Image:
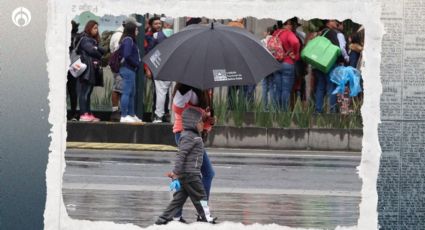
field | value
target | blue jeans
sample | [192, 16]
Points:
[249, 93]
[128, 91]
[207, 172]
[324, 86]
[283, 81]
[266, 88]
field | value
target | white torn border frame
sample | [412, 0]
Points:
[365, 12]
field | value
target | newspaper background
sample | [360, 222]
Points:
[401, 168]
[401, 202]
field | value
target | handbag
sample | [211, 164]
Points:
[77, 67]
[321, 53]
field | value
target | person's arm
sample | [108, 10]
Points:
[342, 45]
[185, 146]
[90, 49]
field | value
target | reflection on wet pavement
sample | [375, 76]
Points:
[143, 207]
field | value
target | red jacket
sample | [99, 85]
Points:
[290, 43]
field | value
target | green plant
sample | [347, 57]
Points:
[239, 106]
[263, 118]
[301, 114]
[220, 110]
[282, 118]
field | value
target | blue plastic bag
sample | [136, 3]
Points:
[175, 185]
[343, 74]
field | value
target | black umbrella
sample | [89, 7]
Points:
[207, 56]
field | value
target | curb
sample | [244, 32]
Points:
[120, 146]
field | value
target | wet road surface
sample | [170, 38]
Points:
[296, 189]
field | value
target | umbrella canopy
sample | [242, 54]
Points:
[207, 56]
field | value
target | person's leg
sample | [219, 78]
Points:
[330, 87]
[208, 174]
[277, 89]
[320, 88]
[288, 78]
[166, 117]
[127, 87]
[153, 99]
[231, 97]
[89, 98]
[71, 86]
[179, 213]
[84, 91]
[264, 93]
[196, 192]
[179, 198]
[115, 97]
[131, 111]
[161, 92]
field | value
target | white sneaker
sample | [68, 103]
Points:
[135, 118]
[127, 119]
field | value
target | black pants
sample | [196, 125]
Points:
[191, 186]
[71, 86]
[85, 90]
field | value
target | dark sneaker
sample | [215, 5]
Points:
[116, 116]
[166, 118]
[200, 219]
[161, 221]
[180, 219]
[157, 119]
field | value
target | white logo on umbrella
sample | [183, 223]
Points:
[220, 75]
[21, 17]
[156, 58]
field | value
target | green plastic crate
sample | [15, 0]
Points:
[321, 53]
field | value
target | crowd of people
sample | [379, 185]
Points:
[279, 89]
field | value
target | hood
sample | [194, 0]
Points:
[191, 116]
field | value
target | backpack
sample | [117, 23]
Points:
[274, 45]
[105, 40]
[114, 61]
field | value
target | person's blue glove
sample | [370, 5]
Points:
[175, 185]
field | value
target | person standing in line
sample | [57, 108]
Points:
[71, 84]
[284, 78]
[162, 87]
[154, 25]
[266, 83]
[323, 84]
[131, 62]
[91, 54]
[117, 85]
